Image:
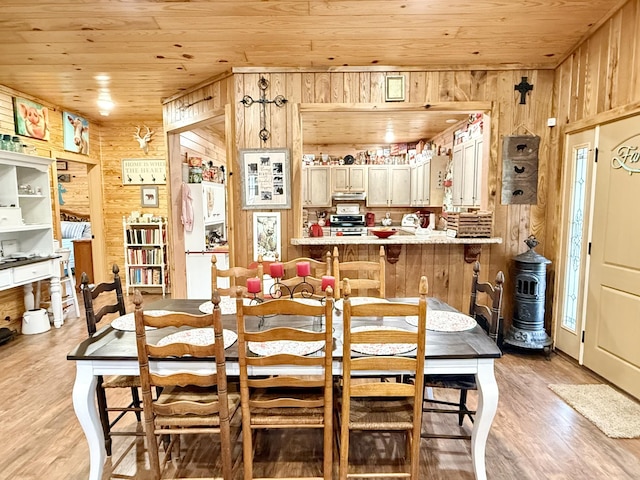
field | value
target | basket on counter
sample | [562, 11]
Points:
[469, 225]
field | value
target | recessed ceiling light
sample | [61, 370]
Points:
[389, 137]
[105, 104]
[451, 120]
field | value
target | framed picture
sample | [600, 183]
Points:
[64, 177]
[267, 237]
[394, 88]
[62, 165]
[266, 178]
[149, 196]
[31, 118]
[75, 131]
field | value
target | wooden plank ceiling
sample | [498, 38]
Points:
[142, 51]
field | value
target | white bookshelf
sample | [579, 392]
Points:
[145, 253]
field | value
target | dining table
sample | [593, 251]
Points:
[112, 351]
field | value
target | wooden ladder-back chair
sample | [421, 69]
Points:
[194, 402]
[363, 275]
[286, 401]
[94, 313]
[370, 404]
[487, 312]
[236, 276]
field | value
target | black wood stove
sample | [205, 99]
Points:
[527, 329]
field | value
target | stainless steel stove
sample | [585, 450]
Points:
[348, 224]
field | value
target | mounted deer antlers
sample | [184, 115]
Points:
[144, 140]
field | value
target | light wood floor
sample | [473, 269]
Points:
[534, 436]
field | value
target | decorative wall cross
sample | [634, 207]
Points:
[279, 101]
[523, 87]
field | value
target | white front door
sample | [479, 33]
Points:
[612, 331]
[579, 165]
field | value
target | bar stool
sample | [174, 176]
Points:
[67, 282]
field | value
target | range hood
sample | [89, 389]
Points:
[349, 196]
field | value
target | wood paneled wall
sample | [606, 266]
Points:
[601, 75]
[120, 200]
[11, 301]
[76, 197]
[449, 276]
[598, 82]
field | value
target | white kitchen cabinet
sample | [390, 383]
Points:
[427, 182]
[467, 173]
[349, 178]
[420, 184]
[389, 186]
[316, 186]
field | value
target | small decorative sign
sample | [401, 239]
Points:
[142, 171]
[626, 158]
[520, 169]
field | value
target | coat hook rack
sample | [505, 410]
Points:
[279, 101]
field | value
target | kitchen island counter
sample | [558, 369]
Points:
[395, 242]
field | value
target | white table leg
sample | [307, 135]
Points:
[487, 406]
[56, 301]
[84, 392]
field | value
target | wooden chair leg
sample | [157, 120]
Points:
[104, 415]
[136, 401]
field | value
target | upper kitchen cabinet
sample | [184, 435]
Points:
[316, 186]
[420, 183]
[427, 179]
[349, 178]
[389, 186]
[467, 173]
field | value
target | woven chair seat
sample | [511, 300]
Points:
[459, 382]
[121, 381]
[287, 415]
[192, 394]
[381, 414]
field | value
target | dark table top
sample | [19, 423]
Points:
[12, 263]
[111, 344]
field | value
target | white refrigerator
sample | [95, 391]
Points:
[209, 231]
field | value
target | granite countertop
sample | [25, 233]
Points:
[403, 237]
